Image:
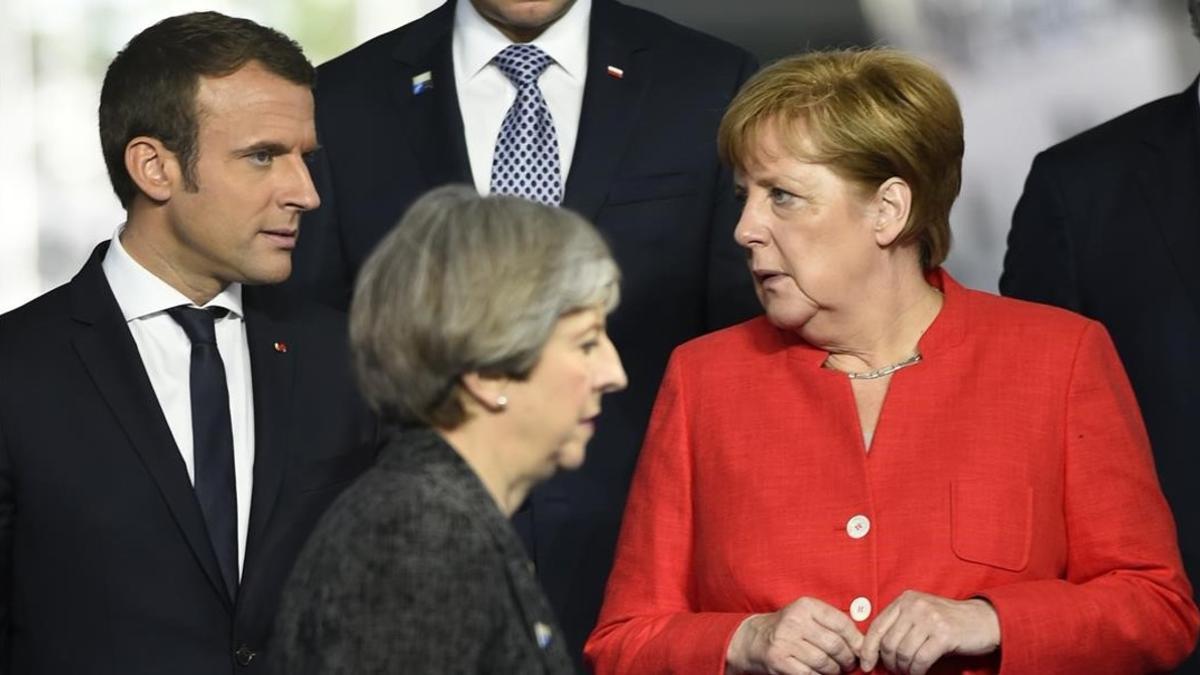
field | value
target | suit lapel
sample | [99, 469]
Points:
[1169, 174]
[522, 583]
[273, 348]
[436, 128]
[610, 107]
[111, 358]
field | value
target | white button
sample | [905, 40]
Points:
[858, 527]
[860, 609]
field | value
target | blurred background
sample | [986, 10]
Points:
[1028, 73]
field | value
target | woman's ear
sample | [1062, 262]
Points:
[154, 169]
[893, 199]
[487, 390]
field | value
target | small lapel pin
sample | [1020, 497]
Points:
[616, 73]
[281, 347]
[543, 634]
[422, 83]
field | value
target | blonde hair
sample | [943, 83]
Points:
[870, 115]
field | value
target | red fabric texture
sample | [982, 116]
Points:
[1010, 464]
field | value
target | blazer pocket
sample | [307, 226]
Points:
[991, 522]
[651, 188]
[327, 472]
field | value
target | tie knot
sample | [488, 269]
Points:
[199, 324]
[522, 63]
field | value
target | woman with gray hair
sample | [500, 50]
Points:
[478, 327]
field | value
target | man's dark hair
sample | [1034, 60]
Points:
[150, 87]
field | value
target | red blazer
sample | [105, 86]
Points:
[1010, 464]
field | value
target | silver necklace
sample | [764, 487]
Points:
[883, 371]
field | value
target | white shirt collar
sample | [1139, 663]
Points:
[140, 293]
[477, 42]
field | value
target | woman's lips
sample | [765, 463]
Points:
[768, 278]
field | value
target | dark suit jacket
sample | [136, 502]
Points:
[415, 570]
[1109, 226]
[644, 170]
[106, 565]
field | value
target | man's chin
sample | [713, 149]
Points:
[269, 275]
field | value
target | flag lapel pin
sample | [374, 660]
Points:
[422, 83]
[542, 634]
[616, 73]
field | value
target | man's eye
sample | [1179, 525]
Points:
[262, 158]
[739, 194]
[589, 346]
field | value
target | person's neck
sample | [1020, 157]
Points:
[485, 452]
[142, 238]
[885, 327]
[520, 35]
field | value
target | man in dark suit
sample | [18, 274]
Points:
[1109, 226]
[170, 432]
[633, 102]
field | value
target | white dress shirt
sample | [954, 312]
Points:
[167, 355]
[485, 94]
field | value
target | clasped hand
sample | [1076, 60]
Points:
[909, 636]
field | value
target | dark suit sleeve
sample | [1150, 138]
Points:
[319, 268]
[7, 511]
[372, 595]
[1040, 263]
[731, 296]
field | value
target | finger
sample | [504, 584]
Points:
[917, 636]
[815, 658]
[833, 619]
[889, 643]
[868, 652]
[794, 666]
[834, 645]
[929, 653]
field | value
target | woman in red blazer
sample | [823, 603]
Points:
[888, 470]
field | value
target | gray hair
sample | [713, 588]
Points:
[464, 284]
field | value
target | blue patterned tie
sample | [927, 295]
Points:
[525, 163]
[212, 436]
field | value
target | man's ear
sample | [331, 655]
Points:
[154, 169]
[894, 201]
[487, 390]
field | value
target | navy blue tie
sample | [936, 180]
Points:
[526, 161]
[212, 438]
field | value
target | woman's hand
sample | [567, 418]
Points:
[806, 637]
[917, 629]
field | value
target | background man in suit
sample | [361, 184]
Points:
[1109, 226]
[623, 107]
[169, 433]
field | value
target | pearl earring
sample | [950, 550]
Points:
[502, 401]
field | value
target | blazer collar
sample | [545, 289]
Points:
[426, 447]
[1168, 172]
[274, 344]
[948, 329]
[110, 356]
[611, 104]
[424, 50]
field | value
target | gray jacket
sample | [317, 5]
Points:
[415, 570]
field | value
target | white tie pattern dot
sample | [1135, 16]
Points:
[526, 163]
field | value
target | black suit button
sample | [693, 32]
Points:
[244, 655]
